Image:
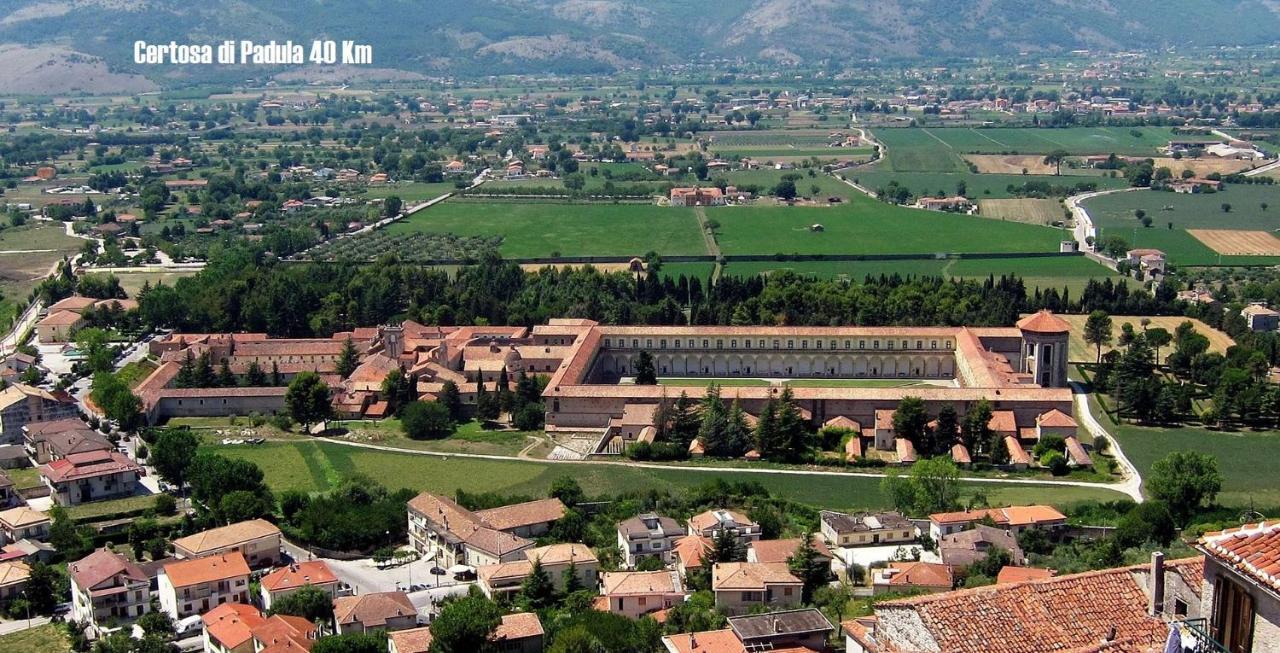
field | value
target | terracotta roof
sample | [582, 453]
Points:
[920, 574]
[1012, 515]
[205, 570]
[853, 448]
[712, 519]
[713, 641]
[906, 450]
[232, 624]
[561, 554]
[22, 516]
[640, 582]
[1252, 550]
[1055, 419]
[960, 454]
[1019, 574]
[842, 422]
[1044, 321]
[413, 640]
[782, 550]
[88, 464]
[1017, 454]
[285, 634]
[972, 545]
[690, 549]
[372, 610]
[223, 537]
[1076, 452]
[508, 571]
[518, 515]
[74, 303]
[750, 575]
[61, 318]
[884, 420]
[14, 572]
[1067, 613]
[1003, 421]
[37, 429]
[312, 572]
[465, 526]
[517, 626]
[100, 566]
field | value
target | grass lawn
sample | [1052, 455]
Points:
[1071, 272]
[545, 229]
[867, 226]
[1141, 141]
[699, 271]
[101, 510]
[828, 186]
[799, 383]
[1114, 214]
[48, 638]
[132, 282]
[311, 466]
[1245, 458]
[25, 477]
[469, 438]
[20, 270]
[1079, 350]
[135, 372]
[853, 270]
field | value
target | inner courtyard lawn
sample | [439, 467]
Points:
[311, 466]
[532, 229]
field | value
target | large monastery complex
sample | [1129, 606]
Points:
[1021, 370]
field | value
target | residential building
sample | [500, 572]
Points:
[1112, 610]
[1012, 574]
[282, 633]
[91, 476]
[696, 196]
[14, 575]
[969, 546]
[258, 540]
[912, 576]
[23, 523]
[452, 535]
[1261, 318]
[8, 496]
[387, 611]
[741, 586]
[782, 550]
[228, 628]
[637, 593]
[866, 528]
[1014, 519]
[793, 631]
[648, 535]
[1240, 602]
[107, 589]
[46, 442]
[189, 587]
[22, 404]
[58, 326]
[690, 551]
[296, 575]
[711, 523]
[517, 633]
[555, 559]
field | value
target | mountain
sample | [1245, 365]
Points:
[502, 36]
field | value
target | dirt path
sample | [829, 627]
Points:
[1132, 483]
[709, 240]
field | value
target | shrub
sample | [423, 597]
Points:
[165, 504]
[427, 420]
[1056, 463]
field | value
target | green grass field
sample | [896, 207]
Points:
[827, 185]
[48, 638]
[469, 438]
[790, 152]
[311, 466]
[543, 229]
[410, 192]
[700, 271]
[853, 270]
[978, 186]
[1114, 214]
[1245, 458]
[867, 226]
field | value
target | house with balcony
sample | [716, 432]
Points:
[91, 476]
[634, 594]
[296, 575]
[555, 559]
[107, 590]
[191, 587]
[711, 523]
[23, 523]
[385, 611]
[258, 540]
[741, 587]
[450, 535]
[866, 528]
[648, 535]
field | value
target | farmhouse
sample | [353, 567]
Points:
[189, 587]
[1261, 318]
[637, 593]
[555, 560]
[957, 203]
[697, 196]
[912, 577]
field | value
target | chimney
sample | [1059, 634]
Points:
[1155, 597]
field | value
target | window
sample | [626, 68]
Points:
[706, 344]
[817, 345]
[1232, 622]
[677, 343]
[648, 343]
[834, 344]
[919, 344]
[905, 345]
[635, 343]
[862, 344]
[933, 344]
[890, 344]
[875, 344]
[1179, 608]
[663, 343]
[719, 344]
[791, 344]
[762, 344]
[690, 343]
[775, 344]
[948, 344]
[733, 344]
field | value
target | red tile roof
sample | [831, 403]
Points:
[1067, 613]
[1044, 321]
[100, 566]
[206, 570]
[88, 464]
[372, 610]
[312, 572]
[1012, 515]
[1019, 574]
[232, 624]
[1252, 550]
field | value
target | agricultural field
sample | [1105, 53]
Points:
[828, 186]
[1079, 350]
[784, 145]
[852, 270]
[1030, 211]
[867, 226]
[27, 253]
[132, 282]
[976, 185]
[531, 230]
[311, 466]
[700, 271]
[1174, 213]
[409, 246]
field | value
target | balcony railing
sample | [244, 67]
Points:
[1196, 637]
